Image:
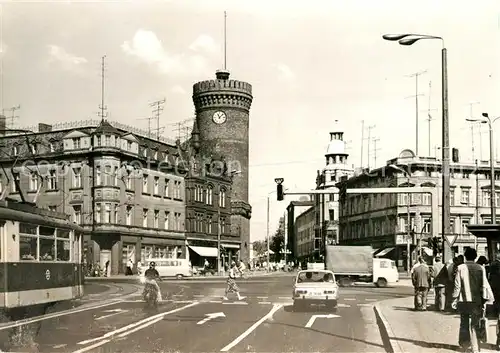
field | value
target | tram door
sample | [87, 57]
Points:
[78, 263]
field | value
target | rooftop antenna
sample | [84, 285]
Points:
[416, 75]
[103, 108]
[471, 107]
[429, 119]
[158, 108]
[225, 41]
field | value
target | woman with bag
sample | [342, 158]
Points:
[232, 287]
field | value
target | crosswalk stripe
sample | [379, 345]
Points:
[352, 299]
[265, 303]
[364, 304]
[342, 305]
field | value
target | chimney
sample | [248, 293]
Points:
[3, 125]
[44, 127]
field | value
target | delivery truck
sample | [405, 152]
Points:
[357, 264]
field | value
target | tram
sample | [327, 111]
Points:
[40, 257]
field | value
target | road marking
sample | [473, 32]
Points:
[251, 328]
[352, 299]
[91, 347]
[314, 317]
[210, 317]
[371, 300]
[182, 301]
[142, 323]
[262, 297]
[57, 346]
[342, 305]
[235, 303]
[198, 296]
[149, 323]
[215, 301]
[113, 313]
[50, 316]
[285, 298]
[265, 303]
[364, 304]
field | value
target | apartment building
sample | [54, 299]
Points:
[381, 220]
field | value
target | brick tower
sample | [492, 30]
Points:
[222, 115]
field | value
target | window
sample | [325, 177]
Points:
[465, 224]
[331, 215]
[166, 222]
[426, 225]
[52, 147]
[52, 180]
[16, 182]
[77, 214]
[166, 192]
[76, 143]
[452, 197]
[209, 195]
[108, 140]
[426, 199]
[145, 152]
[145, 183]
[129, 145]
[107, 175]
[107, 213]
[115, 214]
[53, 208]
[28, 242]
[15, 151]
[177, 190]
[157, 185]
[77, 177]
[222, 198]
[486, 198]
[47, 243]
[156, 155]
[128, 182]
[34, 148]
[128, 215]
[209, 225]
[156, 218]
[98, 175]
[222, 226]
[98, 211]
[465, 196]
[178, 221]
[145, 217]
[497, 198]
[33, 181]
[115, 176]
[403, 199]
[198, 196]
[63, 245]
[452, 226]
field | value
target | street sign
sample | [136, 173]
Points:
[451, 239]
[314, 317]
[210, 317]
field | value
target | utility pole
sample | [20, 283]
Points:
[285, 236]
[375, 149]
[12, 117]
[362, 141]
[416, 75]
[369, 142]
[158, 108]
[102, 114]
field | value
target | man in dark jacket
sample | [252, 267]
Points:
[421, 278]
[440, 278]
[494, 279]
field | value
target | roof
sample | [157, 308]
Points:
[105, 127]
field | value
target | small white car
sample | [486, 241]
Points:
[315, 287]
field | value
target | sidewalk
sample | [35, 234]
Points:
[406, 330]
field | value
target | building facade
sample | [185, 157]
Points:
[127, 190]
[222, 116]
[305, 244]
[383, 220]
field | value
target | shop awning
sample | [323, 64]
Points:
[231, 246]
[204, 251]
[384, 252]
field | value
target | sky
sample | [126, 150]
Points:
[310, 63]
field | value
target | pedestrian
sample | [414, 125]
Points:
[232, 287]
[130, 266]
[452, 271]
[494, 280]
[470, 294]
[421, 279]
[440, 279]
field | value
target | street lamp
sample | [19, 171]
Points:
[219, 230]
[408, 231]
[409, 39]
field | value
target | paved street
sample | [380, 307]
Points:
[262, 322]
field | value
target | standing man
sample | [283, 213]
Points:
[470, 294]
[494, 277]
[440, 277]
[421, 279]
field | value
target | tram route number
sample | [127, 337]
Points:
[47, 275]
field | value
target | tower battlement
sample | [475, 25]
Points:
[212, 86]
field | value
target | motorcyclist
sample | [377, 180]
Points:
[152, 276]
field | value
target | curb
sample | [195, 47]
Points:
[386, 332]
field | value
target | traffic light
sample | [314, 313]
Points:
[279, 191]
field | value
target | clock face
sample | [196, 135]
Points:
[219, 117]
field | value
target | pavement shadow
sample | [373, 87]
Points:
[430, 345]
[405, 308]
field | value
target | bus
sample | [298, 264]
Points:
[40, 257]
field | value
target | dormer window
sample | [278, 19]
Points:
[33, 148]
[76, 143]
[145, 152]
[129, 145]
[108, 140]
[14, 151]
[156, 155]
[166, 156]
[52, 147]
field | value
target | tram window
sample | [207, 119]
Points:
[47, 249]
[47, 231]
[27, 248]
[26, 228]
[63, 233]
[63, 250]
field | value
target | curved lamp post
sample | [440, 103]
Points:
[408, 39]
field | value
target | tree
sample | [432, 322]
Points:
[259, 247]
[277, 244]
